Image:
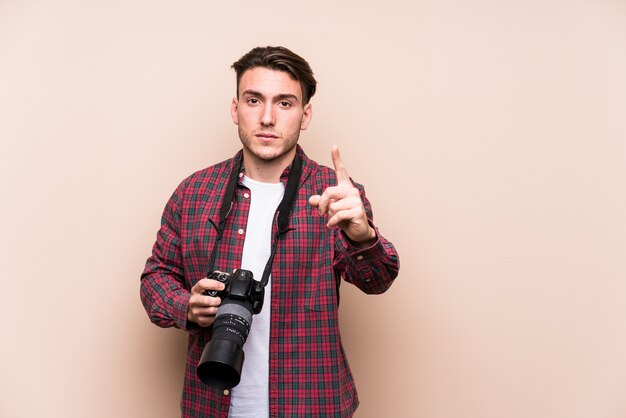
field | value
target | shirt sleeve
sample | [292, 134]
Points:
[163, 292]
[372, 269]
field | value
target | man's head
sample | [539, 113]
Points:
[280, 59]
[274, 87]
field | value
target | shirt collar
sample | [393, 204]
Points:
[308, 166]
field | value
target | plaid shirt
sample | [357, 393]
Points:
[308, 371]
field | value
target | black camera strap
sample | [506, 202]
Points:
[282, 213]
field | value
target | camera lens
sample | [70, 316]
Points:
[222, 358]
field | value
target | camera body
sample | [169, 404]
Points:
[241, 286]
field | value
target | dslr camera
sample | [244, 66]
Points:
[222, 358]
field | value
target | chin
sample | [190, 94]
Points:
[269, 155]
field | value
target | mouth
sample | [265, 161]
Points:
[266, 136]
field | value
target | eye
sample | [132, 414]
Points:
[253, 101]
[284, 103]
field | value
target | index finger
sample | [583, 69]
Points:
[340, 169]
[207, 284]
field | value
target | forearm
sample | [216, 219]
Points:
[165, 300]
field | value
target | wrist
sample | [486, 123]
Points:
[366, 241]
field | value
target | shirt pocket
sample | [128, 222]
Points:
[198, 239]
[310, 245]
[324, 291]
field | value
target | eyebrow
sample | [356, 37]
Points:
[279, 97]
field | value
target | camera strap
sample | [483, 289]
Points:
[282, 213]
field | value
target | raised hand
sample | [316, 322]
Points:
[342, 205]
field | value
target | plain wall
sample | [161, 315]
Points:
[490, 135]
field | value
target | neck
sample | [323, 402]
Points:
[266, 171]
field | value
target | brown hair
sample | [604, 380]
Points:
[281, 59]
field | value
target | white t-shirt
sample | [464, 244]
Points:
[251, 397]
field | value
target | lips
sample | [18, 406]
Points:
[266, 136]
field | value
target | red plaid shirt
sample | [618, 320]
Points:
[308, 371]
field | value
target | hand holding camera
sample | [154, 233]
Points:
[204, 301]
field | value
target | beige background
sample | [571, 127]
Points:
[490, 135]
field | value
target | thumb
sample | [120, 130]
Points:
[314, 200]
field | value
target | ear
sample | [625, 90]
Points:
[234, 105]
[306, 116]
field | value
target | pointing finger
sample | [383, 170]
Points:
[340, 168]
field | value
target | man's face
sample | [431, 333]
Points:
[269, 114]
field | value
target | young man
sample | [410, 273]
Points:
[294, 361]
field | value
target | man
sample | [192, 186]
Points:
[294, 361]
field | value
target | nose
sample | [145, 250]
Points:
[267, 115]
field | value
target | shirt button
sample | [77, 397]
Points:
[246, 195]
[359, 257]
[240, 232]
[226, 392]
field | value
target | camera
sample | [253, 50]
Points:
[222, 358]
[220, 276]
